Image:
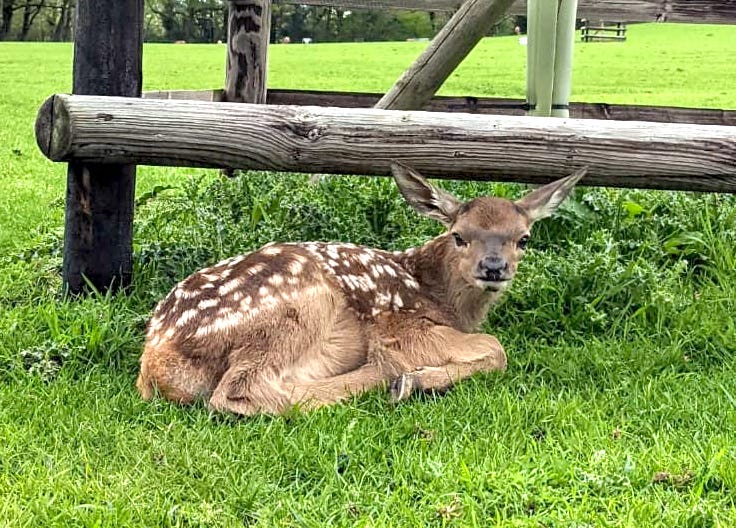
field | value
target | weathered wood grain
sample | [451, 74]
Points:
[706, 11]
[98, 232]
[476, 105]
[249, 26]
[435, 64]
[364, 141]
[248, 31]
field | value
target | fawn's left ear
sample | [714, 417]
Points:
[542, 202]
[427, 199]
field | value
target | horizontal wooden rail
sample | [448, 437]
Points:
[706, 11]
[364, 141]
[476, 105]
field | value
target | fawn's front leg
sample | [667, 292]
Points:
[467, 354]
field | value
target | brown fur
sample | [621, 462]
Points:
[313, 323]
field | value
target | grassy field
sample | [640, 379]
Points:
[618, 407]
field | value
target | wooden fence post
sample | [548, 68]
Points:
[98, 233]
[248, 32]
[249, 27]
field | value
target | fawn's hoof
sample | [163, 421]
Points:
[403, 387]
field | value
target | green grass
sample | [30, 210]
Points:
[618, 407]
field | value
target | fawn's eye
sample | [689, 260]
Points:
[459, 242]
[523, 241]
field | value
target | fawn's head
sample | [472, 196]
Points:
[488, 235]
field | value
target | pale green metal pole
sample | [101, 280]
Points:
[531, 56]
[563, 56]
[545, 36]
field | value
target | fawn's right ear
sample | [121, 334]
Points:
[427, 199]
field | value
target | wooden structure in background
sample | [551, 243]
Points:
[103, 138]
[604, 32]
[474, 105]
[456, 39]
[691, 11]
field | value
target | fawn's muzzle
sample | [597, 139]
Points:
[493, 269]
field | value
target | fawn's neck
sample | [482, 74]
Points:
[433, 266]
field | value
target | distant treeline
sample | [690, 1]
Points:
[206, 21]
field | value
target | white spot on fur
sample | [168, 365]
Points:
[208, 303]
[228, 320]
[296, 267]
[276, 279]
[271, 250]
[255, 269]
[235, 261]
[397, 300]
[383, 299]
[367, 282]
[411, 283]
[333, 264]
[269, 301]
[229, 287]
[187, 316]
[263, 291]
[292, 280]
[182, 293]
[390, 270]
[237, 296]
[245, 304]
[208, 286]
[365, 258]
[210, 276]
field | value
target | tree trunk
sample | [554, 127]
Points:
[30, 12]
[62, 27]
[8, 8]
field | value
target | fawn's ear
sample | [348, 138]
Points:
[542, 202]
[427, 199]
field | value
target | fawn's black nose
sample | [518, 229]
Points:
[493, 268]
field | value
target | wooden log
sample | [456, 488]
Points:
[98, 233]
[476, 105]
[364, 141]
[690, 11]
[458, 37]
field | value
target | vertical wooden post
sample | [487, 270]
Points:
[249, 28]
[98, 233]
[248, 32]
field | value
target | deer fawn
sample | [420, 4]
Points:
[313, 323]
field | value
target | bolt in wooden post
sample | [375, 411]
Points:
[248, 31]
[98, 233]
